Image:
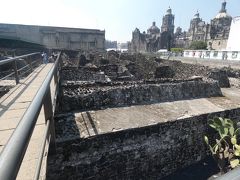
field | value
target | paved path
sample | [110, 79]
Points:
[13, 105]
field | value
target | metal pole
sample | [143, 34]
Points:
[16, 71]
[30, 63]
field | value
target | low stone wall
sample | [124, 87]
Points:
[81, 98]
[150, 152]
[81, 74]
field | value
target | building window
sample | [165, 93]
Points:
[92, 44]
[215, 54]
[84, 45]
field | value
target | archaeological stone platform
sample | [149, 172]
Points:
[137, 141]
[137, 129]
[150, 134]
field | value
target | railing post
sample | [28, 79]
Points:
[16, 71]
[30, 63]
[56, 75]
[60, 64]
[48, 111]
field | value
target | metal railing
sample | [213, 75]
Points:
[15, 149]
[14, 60]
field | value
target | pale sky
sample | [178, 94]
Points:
[117, 17]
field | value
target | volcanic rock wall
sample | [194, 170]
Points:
[146, 152]
[76, 97]
[150, 152]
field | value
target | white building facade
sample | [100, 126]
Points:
[234, 36]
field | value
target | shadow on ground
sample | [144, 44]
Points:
[203, 170]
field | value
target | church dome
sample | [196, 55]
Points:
[222, 15]
[153, 29]
[223, 12]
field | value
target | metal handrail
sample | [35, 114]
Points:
[5, 61]
[39, 163]
[13, 60]
[9, 75]
[27, 71]
[15, 149]
[47, 134]
[23, 67]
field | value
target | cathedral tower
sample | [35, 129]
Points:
[167, 30]
[168, 22]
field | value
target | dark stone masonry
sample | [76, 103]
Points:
[134, 117]
[150, 152]
[79, 97]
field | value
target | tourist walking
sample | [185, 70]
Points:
[45, 58]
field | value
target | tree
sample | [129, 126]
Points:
[198, 45]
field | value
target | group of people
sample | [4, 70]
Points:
[47, 59]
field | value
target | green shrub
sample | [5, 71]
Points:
[226, 150]
[177, 50]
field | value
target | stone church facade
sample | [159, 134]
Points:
[215, 33]
[155, 38]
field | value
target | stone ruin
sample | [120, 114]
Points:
[127, 80]
[105, 125]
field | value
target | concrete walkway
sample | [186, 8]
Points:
[13, 105]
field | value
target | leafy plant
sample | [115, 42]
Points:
[225, 151]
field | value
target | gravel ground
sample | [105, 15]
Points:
[235, 82]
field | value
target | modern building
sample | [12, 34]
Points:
[55, 37]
